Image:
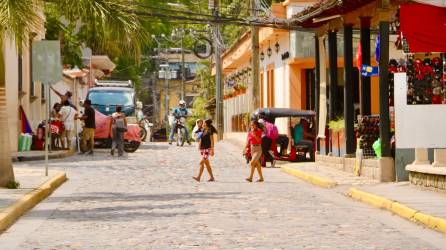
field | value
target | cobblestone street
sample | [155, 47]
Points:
[148, 200]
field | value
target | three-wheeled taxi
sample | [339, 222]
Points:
[296, 151]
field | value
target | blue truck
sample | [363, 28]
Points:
[107, 94]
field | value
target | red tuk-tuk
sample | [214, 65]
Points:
[297, 152]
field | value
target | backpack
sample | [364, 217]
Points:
[120, 125]
[274, 132]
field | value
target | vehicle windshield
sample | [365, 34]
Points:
[111, 97]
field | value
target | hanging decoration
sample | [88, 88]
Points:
[359, 56]
[377, 49]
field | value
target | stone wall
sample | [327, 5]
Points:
[428, 180]
[369, 167]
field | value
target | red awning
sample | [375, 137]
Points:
[424, 27]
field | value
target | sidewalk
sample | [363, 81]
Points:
[341, 180]
[40, 155]
[34, 187]
[414, 203]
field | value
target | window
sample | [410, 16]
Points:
[262, 90]
[42, 90]
[111, 97]
[20, 68]
[31, 80]
[31, 89]
[271, 92]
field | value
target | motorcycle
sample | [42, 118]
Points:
[146, 129]
[181, 131]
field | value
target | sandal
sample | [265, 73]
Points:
[211, 180]
[260, 180]
[248, 180]
[196, 178]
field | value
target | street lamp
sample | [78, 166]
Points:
[262, 56]
[269, 51]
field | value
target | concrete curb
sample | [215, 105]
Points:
[313, 179]
[9, 215]
[42, 157]
[436, 223]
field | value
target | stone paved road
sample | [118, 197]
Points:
[149, 201]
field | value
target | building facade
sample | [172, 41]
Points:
[21, 90]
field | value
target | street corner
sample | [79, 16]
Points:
[9, 213]
[294, 170]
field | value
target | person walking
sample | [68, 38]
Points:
[255, 142]
[119, 127]
[67, 116]
[89, 127]
[197, 131]
[206, 149]
[270, 134]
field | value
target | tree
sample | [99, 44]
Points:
[111, 25]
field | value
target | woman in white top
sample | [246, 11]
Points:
[119, 127]
[67, 116]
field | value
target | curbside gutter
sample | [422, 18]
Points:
[436, 223]
[9, 215]
[313, 179]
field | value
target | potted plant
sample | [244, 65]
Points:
[337, 135]
[231, 94]
[243, 88]
[236, 89]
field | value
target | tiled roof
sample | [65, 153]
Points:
[325, 8]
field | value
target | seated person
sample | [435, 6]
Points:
[300, 137]
[283, 142]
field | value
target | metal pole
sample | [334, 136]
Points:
[218, 75]
[255, 60]
[76, 91]
[47, 130]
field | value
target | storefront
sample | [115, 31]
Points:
[355, 22]
[420, 94]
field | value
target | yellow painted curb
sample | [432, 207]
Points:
[28, 201]
[399, 209]
[313, 179]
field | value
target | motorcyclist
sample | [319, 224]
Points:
[178, 113]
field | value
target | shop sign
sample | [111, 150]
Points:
[368, 71]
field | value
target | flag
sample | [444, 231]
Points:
[359, 56]
[26, 128]
[377, 49]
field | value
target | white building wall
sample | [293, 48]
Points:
[31, 106]
[11, 83]
[281, 78]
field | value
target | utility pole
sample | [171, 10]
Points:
[214, 5]
[183, 69]
[255, 59]
[166, 75]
